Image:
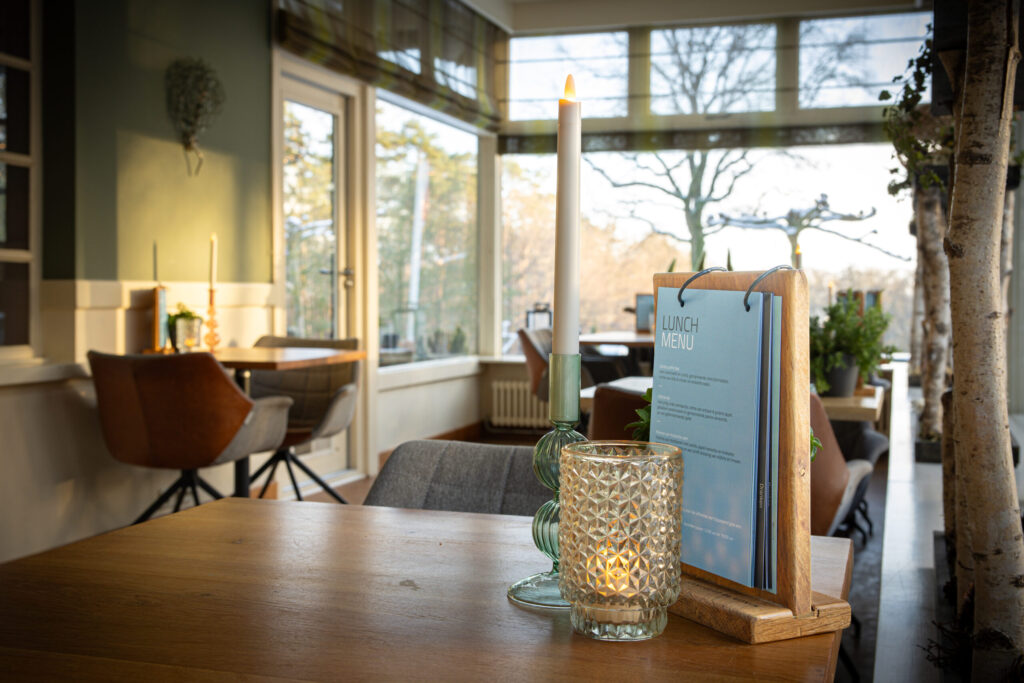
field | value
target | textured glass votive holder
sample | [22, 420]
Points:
[619, 536]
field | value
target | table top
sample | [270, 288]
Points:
[283, 358]
[636, 384]
[864, 405]
[319, 591]
[623, 338]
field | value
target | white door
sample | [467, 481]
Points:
[317, 276]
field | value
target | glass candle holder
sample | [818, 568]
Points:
[619, 536]
[186, 333]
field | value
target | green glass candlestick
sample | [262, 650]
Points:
[541, 590]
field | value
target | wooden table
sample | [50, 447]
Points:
[864, 405]
[634, 384]
[313, 591]
[244, 360]
[630, 338]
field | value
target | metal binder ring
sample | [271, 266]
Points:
[694, 277]
[758, 280]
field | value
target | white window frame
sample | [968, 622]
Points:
[33, 161]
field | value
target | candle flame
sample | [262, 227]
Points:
[798, 251]
[570, 88]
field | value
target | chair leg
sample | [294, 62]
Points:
[862, 507]
[272, 460]
[164, 497]
[270, 477]
[323, 484]
[295, 484]
[204, 485]
[181, 497]
[192, 487]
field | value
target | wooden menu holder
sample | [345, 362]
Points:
[750, 614]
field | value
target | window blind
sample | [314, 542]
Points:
[437, 52]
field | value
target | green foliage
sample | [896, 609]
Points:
[909, 126]
[642, 427]
[444, 317]
[815, 445]
[183, 313]
[846, 332]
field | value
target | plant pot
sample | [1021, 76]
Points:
[842, 379]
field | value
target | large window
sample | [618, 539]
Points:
[426, 236]
[632, 231]
[18, 172]
[713, 70]
[599, 63]
[846, 62]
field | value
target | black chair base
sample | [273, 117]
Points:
[188, 481]
[286, 456]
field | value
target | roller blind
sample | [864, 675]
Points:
[437, 52]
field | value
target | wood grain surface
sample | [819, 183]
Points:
[283, 358]
[794, 513]
[273, 590]
[864, 406]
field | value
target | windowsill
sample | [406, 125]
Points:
[38, 371]
[511, 359]
[426, 372]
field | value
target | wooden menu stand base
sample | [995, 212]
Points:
[755, 620]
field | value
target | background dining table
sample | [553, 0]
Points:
[243, 360]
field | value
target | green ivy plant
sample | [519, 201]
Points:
[845, 332]
[920, 140]
[642, 427]
[183, 313]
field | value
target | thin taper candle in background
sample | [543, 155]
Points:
[567, 226]
[213, 260]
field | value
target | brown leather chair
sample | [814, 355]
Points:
[324, 402]
[537, 342]
[613, 410]
[836, 483]
[180, 412]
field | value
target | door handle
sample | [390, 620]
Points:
[347, 273]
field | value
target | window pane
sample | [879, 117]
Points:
[14, 28]
[13, 304]
[427, 237]
[598, 62]
[713, 70]
[309, 196]
[13, 207]
[847, 62]
[645, 222]
[14, 103]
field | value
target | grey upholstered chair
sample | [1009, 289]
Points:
[181, 412]
[324, 401]
[459, 477]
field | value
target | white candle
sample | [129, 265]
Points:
[567, 226]
[213, 259]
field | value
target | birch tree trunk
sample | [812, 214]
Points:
[949, 479]
[931, 229]
[979, 339]
[917, 318]
[1006, 254]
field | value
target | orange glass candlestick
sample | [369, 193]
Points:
[212, 339]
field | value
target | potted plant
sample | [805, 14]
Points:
[183, 313]
[846, 345]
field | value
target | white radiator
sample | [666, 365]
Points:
[514, 405]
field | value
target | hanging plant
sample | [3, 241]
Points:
[920, 140]
[194, 98]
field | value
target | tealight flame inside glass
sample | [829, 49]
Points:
[619, 535]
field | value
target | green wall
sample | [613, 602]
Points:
[132, 186]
